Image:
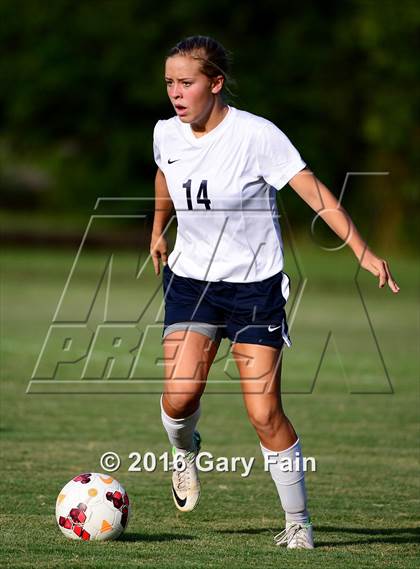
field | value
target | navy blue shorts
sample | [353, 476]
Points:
[251, 313]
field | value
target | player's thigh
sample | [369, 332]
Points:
[259, 369]
[188, 356]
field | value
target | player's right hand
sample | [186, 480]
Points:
[158, 251]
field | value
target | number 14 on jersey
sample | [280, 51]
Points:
[201, 197]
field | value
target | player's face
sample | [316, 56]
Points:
[191, 92]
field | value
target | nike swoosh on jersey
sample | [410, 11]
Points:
[181, 501]
[271, 328]
[172, 161]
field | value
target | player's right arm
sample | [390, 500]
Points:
[163, 213]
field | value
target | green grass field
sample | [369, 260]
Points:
[363, 497]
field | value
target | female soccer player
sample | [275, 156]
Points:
[220, 168]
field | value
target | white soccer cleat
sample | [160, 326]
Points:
[185, 481]
[296, 536]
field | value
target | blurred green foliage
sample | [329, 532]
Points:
[82, 87]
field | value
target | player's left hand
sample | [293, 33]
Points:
[379, 268]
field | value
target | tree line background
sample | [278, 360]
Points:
[82, 87]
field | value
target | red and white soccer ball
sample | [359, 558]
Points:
[92, 506]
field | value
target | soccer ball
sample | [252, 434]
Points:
[92, 506]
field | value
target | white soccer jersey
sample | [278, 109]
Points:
[223, 187]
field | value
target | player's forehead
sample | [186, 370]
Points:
[181, 66]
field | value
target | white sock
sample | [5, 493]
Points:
[290, 484]
[180, 431]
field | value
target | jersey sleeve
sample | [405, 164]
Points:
[278, 160]
[157, 144]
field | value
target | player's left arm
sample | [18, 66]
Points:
[321, 200]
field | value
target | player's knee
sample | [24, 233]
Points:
[267, 421]
[181, 405]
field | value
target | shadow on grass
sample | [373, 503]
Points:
[156, 537]
[381, 535]
[371, 535]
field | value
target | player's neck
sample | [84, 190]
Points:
[213, 118]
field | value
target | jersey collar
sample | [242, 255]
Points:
[206, 138]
